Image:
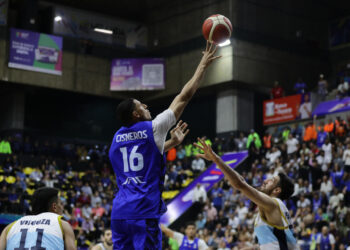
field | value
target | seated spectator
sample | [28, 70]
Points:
[199, 194]
[241, 142]
[216, 195]
[98, 211]
[303, 202]
[304, 111]
[292, 145]
[326, 185]
[273, 155]
[86, 189]
[198, 165]
[95, 198]
[201, 221]
[277, 91]
[343, 89]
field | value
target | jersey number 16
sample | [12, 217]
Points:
[130, 161]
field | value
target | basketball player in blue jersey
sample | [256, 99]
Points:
[273, 226]
[44, 230]
[137, 157]
[189, 241]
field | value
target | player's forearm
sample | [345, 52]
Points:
[235, 179]
[186, 94]
[169, 144]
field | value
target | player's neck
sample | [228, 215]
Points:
[107, 247]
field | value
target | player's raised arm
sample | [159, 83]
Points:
[182, 99]
[167, 231]
[236, 180]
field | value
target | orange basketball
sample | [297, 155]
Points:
[217, 28]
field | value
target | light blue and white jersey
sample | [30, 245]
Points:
[271, 237]
[42, 231]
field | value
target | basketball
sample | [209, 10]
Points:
[217, 28]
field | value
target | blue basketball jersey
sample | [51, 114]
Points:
[140, 171]
[187, 245]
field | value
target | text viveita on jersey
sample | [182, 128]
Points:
[35, 222]
[132, 136]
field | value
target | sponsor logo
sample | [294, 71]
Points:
[136, 180]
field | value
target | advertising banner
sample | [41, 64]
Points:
[35, 51]
[207, 179]
[3, 12]
[82, 24]
[287, 109]
[333, 106]
[137, 74]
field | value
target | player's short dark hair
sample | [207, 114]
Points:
[43, 198]
[190, 223]
[124, 111]
[287, 186]
[105, 231]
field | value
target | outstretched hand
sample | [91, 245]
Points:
[179, 133]
[208, 54]
[208, 154]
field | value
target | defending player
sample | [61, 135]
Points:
[273, 226]
[137, 158]
[107, 243]
[188, 241]
[42, 230]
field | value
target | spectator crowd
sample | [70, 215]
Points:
[317, 157]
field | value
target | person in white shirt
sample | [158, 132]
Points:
[198, 164]
[327, 148]
[199, 194]
[187, 241]
[273, 155]
[326, 185]
[242, 211]
[292, 144]
[346, 155]
[321, 160]
[305, 108]
[335, 199]
[303, 202]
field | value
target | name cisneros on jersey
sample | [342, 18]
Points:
[132, 136]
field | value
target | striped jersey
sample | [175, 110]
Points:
[271, 237]
[42, 231]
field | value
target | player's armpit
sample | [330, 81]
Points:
[261, 199]
[69, 238]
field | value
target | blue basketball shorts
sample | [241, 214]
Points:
[143, 234]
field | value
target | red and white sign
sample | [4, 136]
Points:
[281, 109]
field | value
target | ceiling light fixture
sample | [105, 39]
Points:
[105, 31]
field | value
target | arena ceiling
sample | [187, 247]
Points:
[138, 10]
